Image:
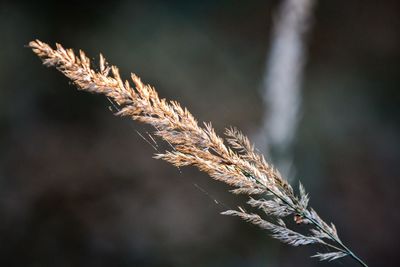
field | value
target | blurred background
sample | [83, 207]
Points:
[79, 187]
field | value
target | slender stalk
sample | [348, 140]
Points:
[305, 215]
[348, 251]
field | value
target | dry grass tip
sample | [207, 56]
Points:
[232, 160]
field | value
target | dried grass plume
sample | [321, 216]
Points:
[232, 160]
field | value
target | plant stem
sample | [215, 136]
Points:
[347, 250]
[318, 225]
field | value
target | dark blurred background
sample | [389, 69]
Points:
[79, 187]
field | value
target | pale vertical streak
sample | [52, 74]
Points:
[282, 81]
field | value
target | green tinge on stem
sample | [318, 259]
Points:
[346, 249]
[304, 215]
